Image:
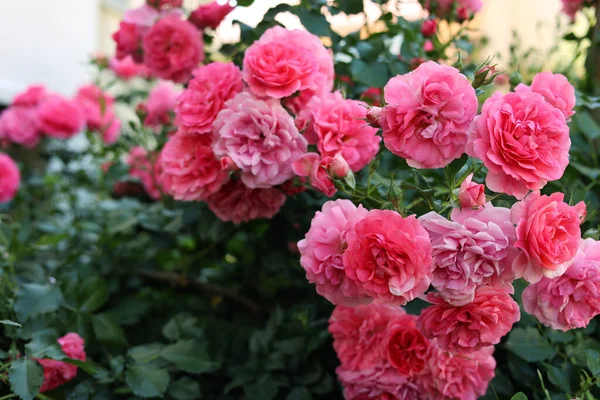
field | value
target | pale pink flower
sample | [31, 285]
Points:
[59, 117]
[556, 90]
[20, 125]
[548, 235]
[314, 167]
[126, 68]
[10, 178]
[161, 103]
[471, 194]
[427, 115]
[98, 109]
[144, 15]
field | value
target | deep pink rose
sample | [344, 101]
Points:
[142, 167]
[339, 126]
[471, 194]
[322, 248]
[457, 376]
[98, 109]
[429, 27]
[210, 15]
[20, 125]
[427, 115]
[556, 90]
[165, 4]
[206, 94]
[172, 49]
[472, 326]
[377, 384]
[128, 40]
[127, 68]
[317, 170]
[548, 235]
[389, 256]
[190, 170]
[571, 300]
[522, 140]
[261, 139]
[60, 118]
[473, 249]
[57, 373]
[406, 348]
[161, 104]
[10, 178]
[238, 203]
[31, 97]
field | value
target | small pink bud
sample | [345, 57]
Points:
[339, 166]
[429, 27]
[227, 164]
[462, 14]
[373, 116]
[471, 194]
[428, 46]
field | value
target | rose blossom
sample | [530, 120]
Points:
[238, 203]
[57, 373]
[556, 90]
[548, 235]
[128, 40]
[389, 256]
[172, 49]
[379, 384]
[190, 170]
[206, 94]
[523, 141]
[10, 178]
[20, 125]
[427, 115]
[322, 248]
[143, 16]
[142, 167]
[464, 7]
[471, 194]
[406, 348]
[571, 7]
[472, 326]
[60, 118]
[127, 68]
[429, 27]
[458, 376]
[210, 15]
[161, 103]
[316, 169]
[571, 300]
[261, 139]
[98, 109]
[339, 126]
[31, 97]
[165, 4]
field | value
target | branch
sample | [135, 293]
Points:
[182, 281]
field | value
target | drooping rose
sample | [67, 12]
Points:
[10, 178]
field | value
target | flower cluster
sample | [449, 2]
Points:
[57, 373]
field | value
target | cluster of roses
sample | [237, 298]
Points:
[57, 373]
[360, 258]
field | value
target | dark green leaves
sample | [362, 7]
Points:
[147, 380]
[34, 299]
[185, 389]
[351, 6]
[374, 74]
[26, 377]
[108, 331]
[528, 344]
[190, 356]
[519, 396]
[314, 22]
[93, 294]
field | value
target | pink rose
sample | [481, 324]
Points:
[165, 4]
[407, 350]
[472, 326]
[261, 139]
[20, 125]
[572, 7]
[98, 109]
[144, 169]
[523, 141]
[31, 97]
[172, 49]
[548, 235]
[474, 249]
[339, 126]
[316, 169]
[10, 178]
[128, 40]
[206, 94]
[429, 27]
[190, 170]
[238, 203]
[427, 115]
[428, 46]
[60, 118]
[471, 194]
[556, 90]
[112, 131]
[322, 249]
[571, 300]
[161, 103]
[458, 376]
[127, 68]
[143, 16]
[57, 373]
[210, 15]
[378, 384]
[389, 256]
[463, 7]
[339, 166]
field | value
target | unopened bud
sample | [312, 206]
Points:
[373, 116]
[339, 166]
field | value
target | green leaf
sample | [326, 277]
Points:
[45, 347]
[374, 74]
[592, 173]
[351, 6]
[51, 240]
[107, 331]
[9, 322]
[93, 294]
[26, 377]
[35, 299]
[314, 22]
[528, 344]
[264, 389]
[245, 3]
[299, 393]
[593, 361]
[84, 365]
[147, 380]
[587, 125]
[183, 326]
[190, 356]
[145, 353]
[558, 377]
[519, 396]
[185, 389]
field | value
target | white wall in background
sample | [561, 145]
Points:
[46, 41]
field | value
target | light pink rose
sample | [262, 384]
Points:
[31, 97]
[190, 170]
[377, 384]
[238, 203]
[471, 194]
[261, 139]
[457, 376]
[127, 68]
[161, 103]
[322, 249]
[556, 90]
[472, 326]
[548, 235]
[427, 115]
[339, 166]
[144, 16]
[10, 178]
[210, 15]
[142, 167]
[20, 125]
[339, 126]
[206, 94]
[316, 169]
[571, 300]
[173, 48]
[98, 109]
[474, 249]
[60, 118]
[57, 373]
[522, 140]
[389, 256]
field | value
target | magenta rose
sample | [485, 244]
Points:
[20, 125]
[57, 373]
[31, 97]
[556, 90]
[60, 118]
[548, 235]
[210, 15]
[161, 104]
[172, 49]
[128, 40]
[261, 139]
[389, 256]
[571, 300]
[10, 178]
[427, 115]
[523, 141]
